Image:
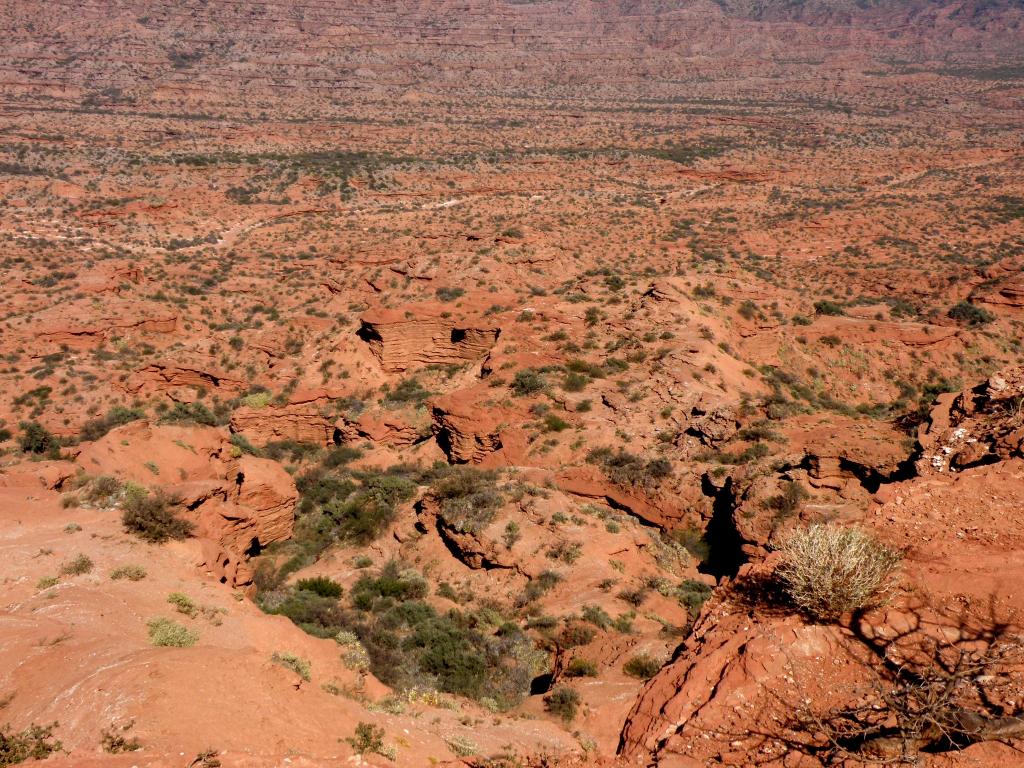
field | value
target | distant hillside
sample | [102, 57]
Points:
[228, 51]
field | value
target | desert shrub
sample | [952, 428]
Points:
[130, 572]
[45, 582]
[94, 429]
[642, 666]
[260, 399]
[447, 293]
[574, 382]
[244, 445]
[368, 739]
[635, 596]
[296, 664]
[353, 653]
[150, 517]
[335, 507]
[78, 565]
[461, 746]
[826, 307]
[830, 569]
[692, 595]
[290, 450]
[564, 702]
[407, 392]
[170, 634]
[581, 668]
[596, 615]
[964, 312]
[103, 491]
[115, 740]
[553, 423]
[34, 743]
[537, 587]
[183, 603]
[629, 469]
[575, 634]
[787, 503]
[527, 382]
[693, 540]
[392, 583]
[314, 614]
[190, 413]
[321, 585]
[512, 534]
[35, 438]
[468, 497]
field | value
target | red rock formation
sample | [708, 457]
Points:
[165, 375]
[386, 429]
[466, 430]
[590, 483]
[238, 505]
[299, 422]
[424, 336]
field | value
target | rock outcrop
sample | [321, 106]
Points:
[167, 376]
[401, 340]
[466, 431]
[980, 425]
[300, 422]
[238, 505]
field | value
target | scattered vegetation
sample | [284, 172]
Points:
[168, 633]
[150, 517]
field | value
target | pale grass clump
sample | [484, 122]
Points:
[829, 569]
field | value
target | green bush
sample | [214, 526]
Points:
[628, 469]
[94, 429]
[190, 413]
[692, 595]
[296, 664]
[78, 565]
[130, 572]
[321, 585]
[34, 743]
[468, 497]
[563, 702]
[409, 644]
[170, 634]
[115, 741]
[553, 423]
[38, 440]
[183, 603]
[368, 739]
[642, 666]
[576, 634]
[527, 382]
[150, 517]
[575, 382]
[581, 668]
[964, 312]
[826, 307]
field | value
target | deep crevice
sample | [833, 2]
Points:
[725, 555]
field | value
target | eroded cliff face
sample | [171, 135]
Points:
[239, 504]
[414, 338]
